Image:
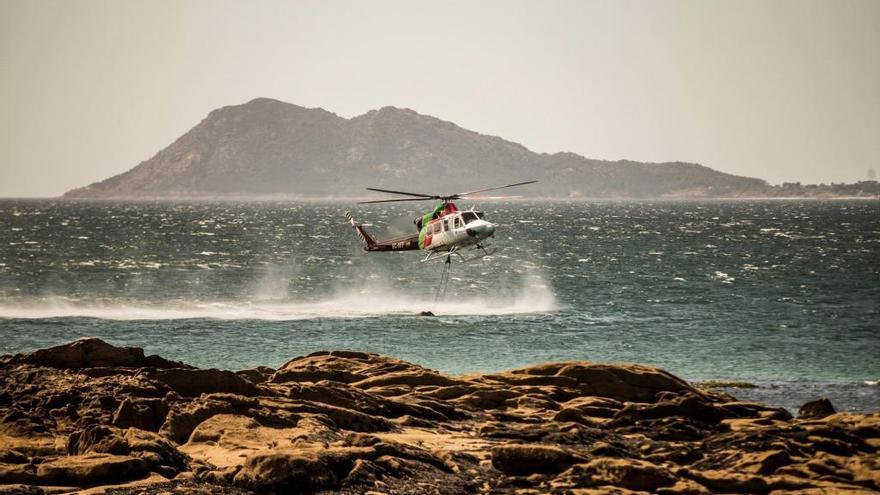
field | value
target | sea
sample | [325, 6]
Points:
[782, 294]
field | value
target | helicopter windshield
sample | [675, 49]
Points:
[470, 216]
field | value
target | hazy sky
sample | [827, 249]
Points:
[781, 90]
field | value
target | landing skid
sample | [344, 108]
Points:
[483, 253]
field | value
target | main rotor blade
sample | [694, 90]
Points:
[431, 196]
[394, 200]
[494, 188]
[483, 198]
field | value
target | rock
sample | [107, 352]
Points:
[146, 414]
[575, 415]
[762, 462]
[158, 453]
[92, 353]
[194, 382]
[215, 438]
[486, 399]
[299, 470]
[683, 487]
[446, 393]
[523, 460]
[338, 366]
[865, 470]
[631, 474]
[344, 367]
[601, 407]
[623, 382]
[312, 374]
[754, 410]
[688, 405]
[816, 409]
[17, 473]
[97, 439]
[256, 375]
[729, 482]
[339, 395]
[183, 419]
[866, 426]
[544, 432]
[356, 422]
[406, 378]
[512, 378]
[90, 469]
[533, 402]
[591, 411]
[10, 456]
[20, 489]
[352, 420]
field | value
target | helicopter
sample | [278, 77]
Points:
[444, 231]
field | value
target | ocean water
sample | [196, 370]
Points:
[784, 294]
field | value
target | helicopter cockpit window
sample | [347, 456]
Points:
[470, 216]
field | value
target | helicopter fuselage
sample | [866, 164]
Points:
[453, 229]
[443, 229]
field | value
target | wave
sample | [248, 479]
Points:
[354, 305]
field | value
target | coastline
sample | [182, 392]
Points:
[88, 414]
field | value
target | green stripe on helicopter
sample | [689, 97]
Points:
[426, 219]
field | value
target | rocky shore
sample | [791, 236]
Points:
[91, 417]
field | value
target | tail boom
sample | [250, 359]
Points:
[407, 243]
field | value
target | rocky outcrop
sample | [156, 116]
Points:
[93, 353]
[91, 415]
[816, 409]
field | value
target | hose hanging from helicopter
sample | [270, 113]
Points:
[444, 279]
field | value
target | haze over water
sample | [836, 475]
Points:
[783, 293]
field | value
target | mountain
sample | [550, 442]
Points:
[268, 147]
